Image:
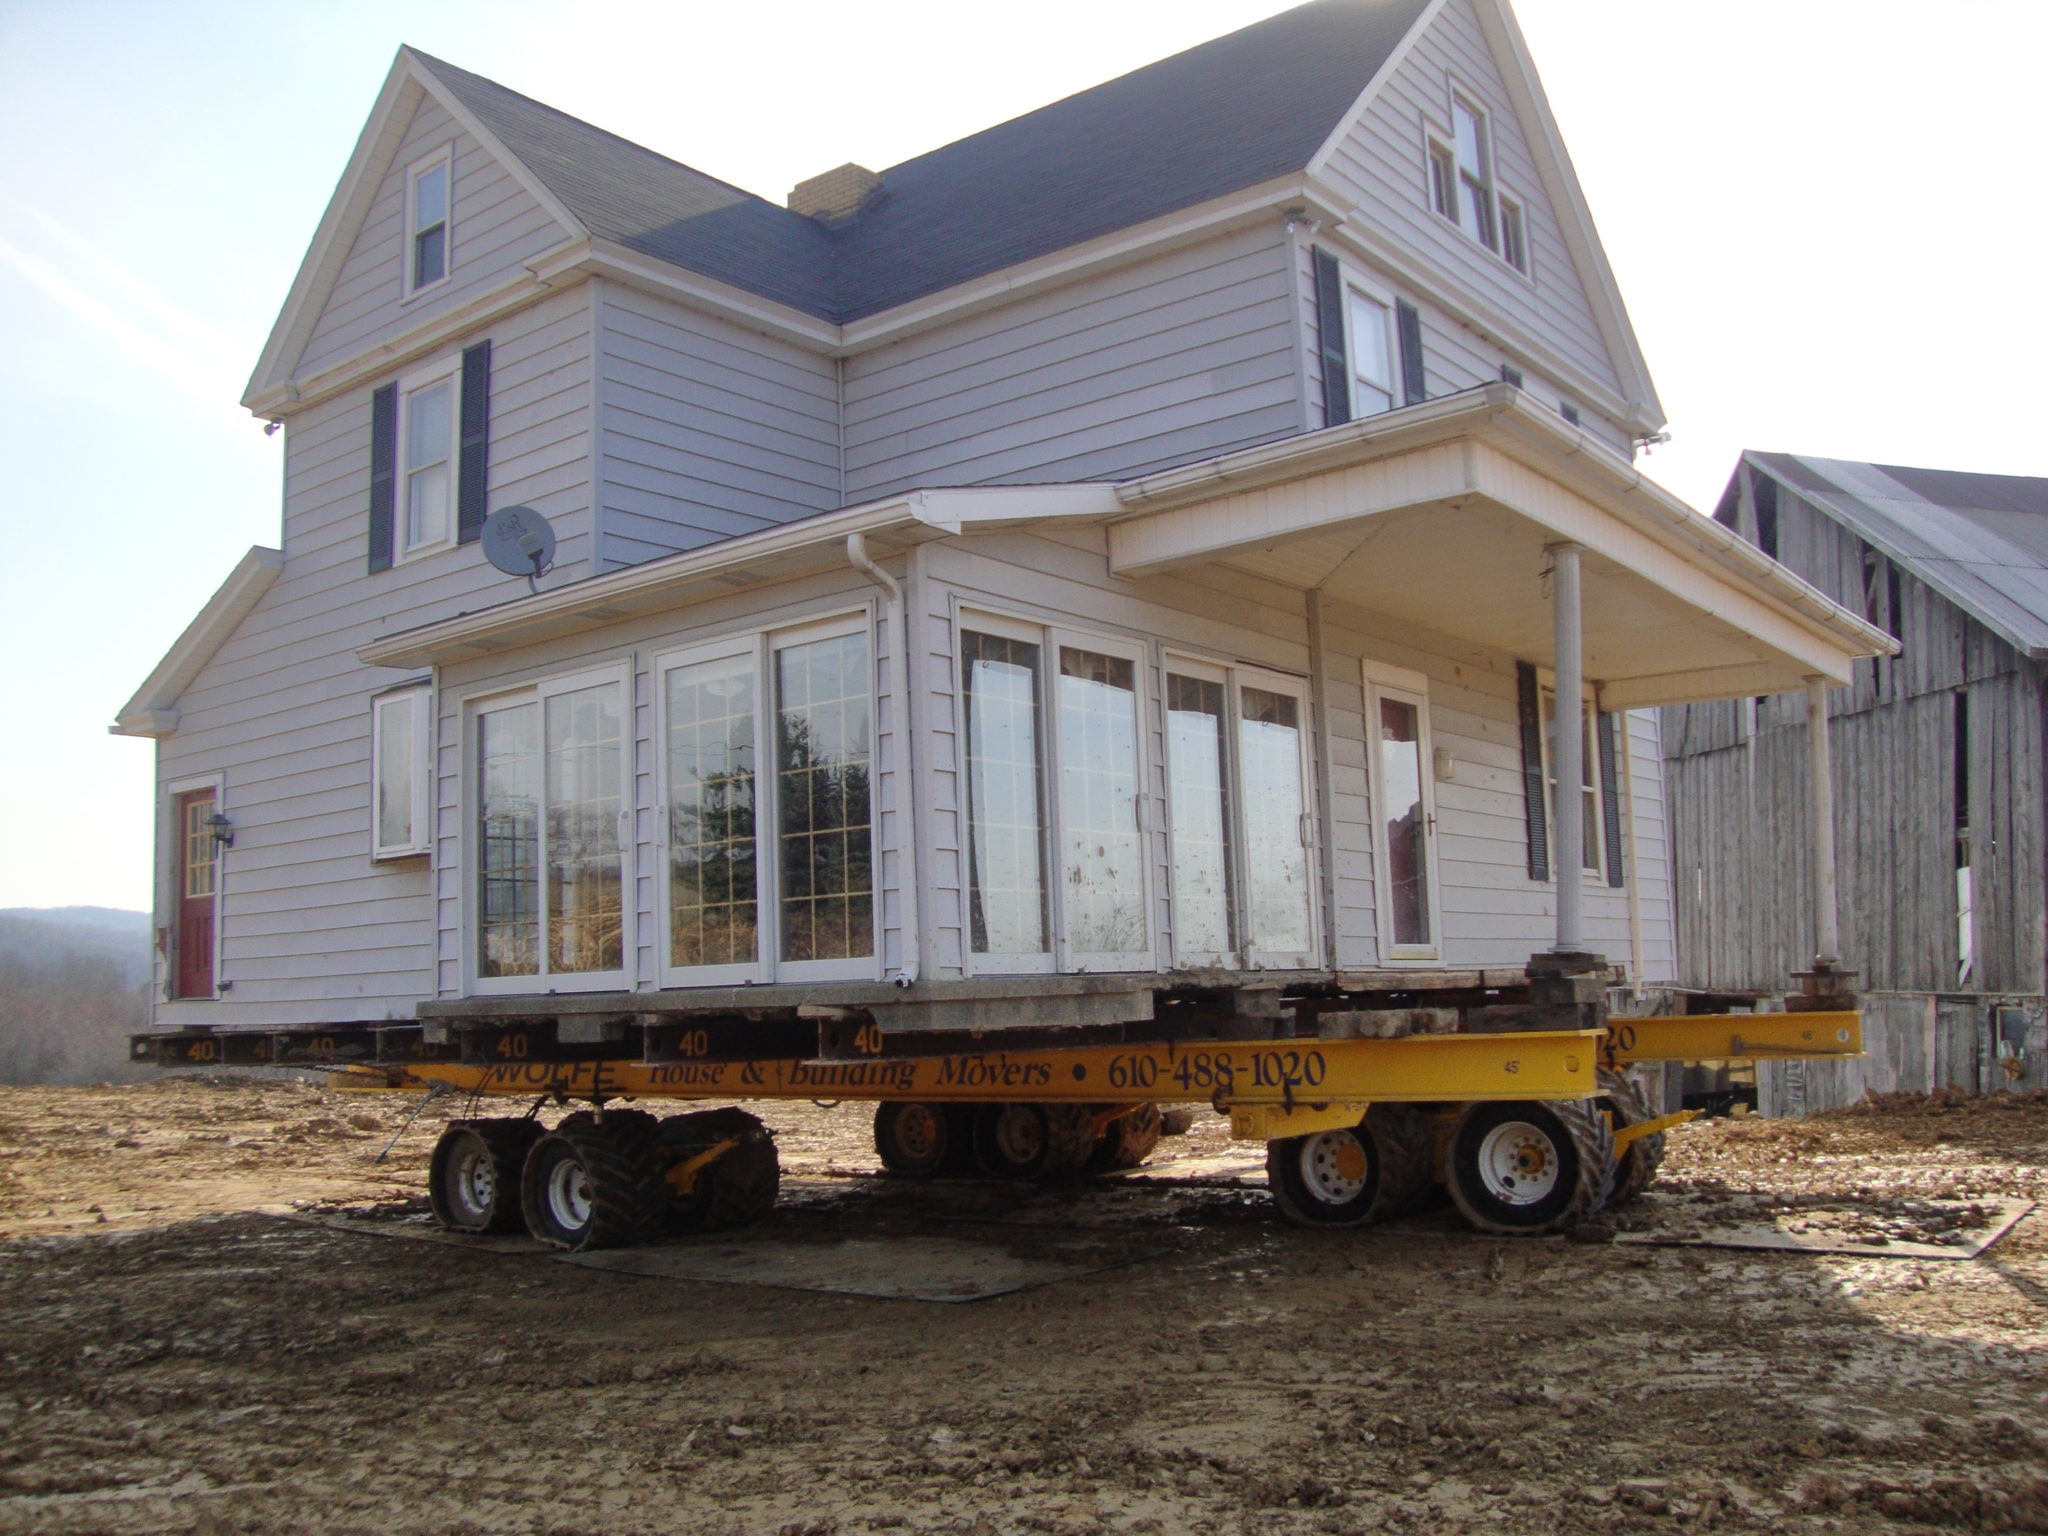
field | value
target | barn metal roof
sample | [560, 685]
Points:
[1979, 540]
[1229, 114]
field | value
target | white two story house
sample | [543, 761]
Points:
[1187, 533]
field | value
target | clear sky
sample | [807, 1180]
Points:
[1823, 215]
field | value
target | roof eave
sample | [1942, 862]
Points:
[153, 711]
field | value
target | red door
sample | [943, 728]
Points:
[197, 894]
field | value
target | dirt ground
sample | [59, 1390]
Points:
[175, 1361]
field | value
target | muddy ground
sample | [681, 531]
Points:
[174, 1361]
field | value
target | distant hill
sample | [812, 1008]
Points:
[74, 983]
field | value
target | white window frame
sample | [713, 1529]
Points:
[167, 886]
[1070, 960]
[481, 701]
[1513, 214]
[450, 369]
[761, 969]
[1402, 685]
[861, 968]
[445, 157]
[1596, 810]
[1442, 194]
[966, 617]
[1352, 350]
[417, 700]
[1236, 676]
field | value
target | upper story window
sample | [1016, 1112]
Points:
[1370, 346]
[427, 449]
[1462, 186]
[428, 186]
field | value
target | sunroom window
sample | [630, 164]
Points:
[1006, 895]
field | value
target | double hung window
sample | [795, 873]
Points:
[1463, 188]
[550, 835]
[767, 827]
[1401, 762]
[1371, 348]
[401, 737]
[1055, 793]
[427, 449]
[1237, 784]
[1591, 826]
[429, 185]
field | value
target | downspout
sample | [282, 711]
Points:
[906, 785]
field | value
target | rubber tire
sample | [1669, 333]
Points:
[1636, 1168]
[735, 1191]
[506, 1142]
[915, 1140]
[1403, 1136]
[1177, 1121]
[1065, 1136]
[627, 1194]
[1301, 1204]
[1126, 1141]
[1579, 1133]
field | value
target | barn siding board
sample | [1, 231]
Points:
[497, 227]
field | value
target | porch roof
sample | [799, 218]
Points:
[1441, 516]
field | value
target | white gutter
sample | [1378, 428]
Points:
[906, 778]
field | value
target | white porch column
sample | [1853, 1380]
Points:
[1821, 795]
[1568, 813]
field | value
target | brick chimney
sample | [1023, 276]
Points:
[836, 196]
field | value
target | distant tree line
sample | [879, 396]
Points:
[65, 1015]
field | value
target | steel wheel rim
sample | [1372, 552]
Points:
[569, 1201]
[1020, 1135]
[1520, 1163]
[917, 1131]
[476, 1180]
[1334, 1166]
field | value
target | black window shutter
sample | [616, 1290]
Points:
[475, 466]
[1330, 338]
[1408, 320]
[1610, 794]
[383, 474]
[1529, 706]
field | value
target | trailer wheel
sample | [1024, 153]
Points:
[1127, 1142]
[593, 1183]
[1403, 1140]
[738, 1189]
[1517, 1168]
[1326, 1179]
[1636, 1168]
[915, 1140]
[473, 1181]
[1033, 1141]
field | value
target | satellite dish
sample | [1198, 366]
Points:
[519, 542]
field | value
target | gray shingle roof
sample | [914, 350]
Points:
[1218, 118]
[1979, 540]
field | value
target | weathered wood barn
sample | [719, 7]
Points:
[1186, 535]
[1938, 779]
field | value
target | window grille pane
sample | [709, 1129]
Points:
[395, 749]
[426, 506]
[200, 849]
[430, 256]
[714, 908]
[1404, 818]
[508, 923]
[1276, 859]
[584, 888]
[430, 197]
[1512, 245]
[1372, 346]
[1202, 895]
[1005, 796]
[1469, 134]
[824, 693]
[1101, 855]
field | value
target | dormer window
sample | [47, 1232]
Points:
[427, 187]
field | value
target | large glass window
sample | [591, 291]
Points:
[1197, 742]
[714, 907]
[1372, 355]
[401, 731]
[1242, 880]
[1005, 801]
[1101, 852]
[551, 790]
[824, 696]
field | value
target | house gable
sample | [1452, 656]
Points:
[1565, 317]
[348, 294]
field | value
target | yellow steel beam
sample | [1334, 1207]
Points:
[1266, 1122]
[1625, 1134]
[1732, 1037]
[1419, 1068]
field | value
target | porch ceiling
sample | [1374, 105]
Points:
[1451, 535]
